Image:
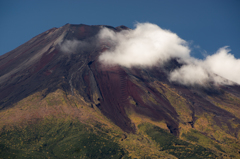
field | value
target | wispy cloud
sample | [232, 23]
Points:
[77, 46]
[71, 46]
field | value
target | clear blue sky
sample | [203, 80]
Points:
[211, 24]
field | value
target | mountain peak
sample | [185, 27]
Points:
[60, 67]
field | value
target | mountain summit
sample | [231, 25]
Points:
[58, 100]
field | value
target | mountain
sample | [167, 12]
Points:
[58, 101]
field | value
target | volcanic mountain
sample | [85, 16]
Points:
[57, 100]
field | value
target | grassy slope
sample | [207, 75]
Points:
[206, 133]
[173, 145]
[54, 139]
[65, 126]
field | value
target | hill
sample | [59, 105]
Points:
[57, 100]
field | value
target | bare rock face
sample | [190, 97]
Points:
[43, 63]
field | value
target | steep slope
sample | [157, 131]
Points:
[59, 100]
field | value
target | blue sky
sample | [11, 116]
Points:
[206, 24]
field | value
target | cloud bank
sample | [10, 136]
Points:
[220, 68]
[148, 45]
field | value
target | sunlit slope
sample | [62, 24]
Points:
[205, 128]
[63, 126]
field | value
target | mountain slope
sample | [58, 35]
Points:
[56, 97]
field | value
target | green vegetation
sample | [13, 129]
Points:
[200, 139]
[173, 145]
[66, 139]
[190, 137]
[65, 126]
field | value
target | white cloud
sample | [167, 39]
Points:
[219, 68]
[190, 75]
[146, 45]
[224, 64]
